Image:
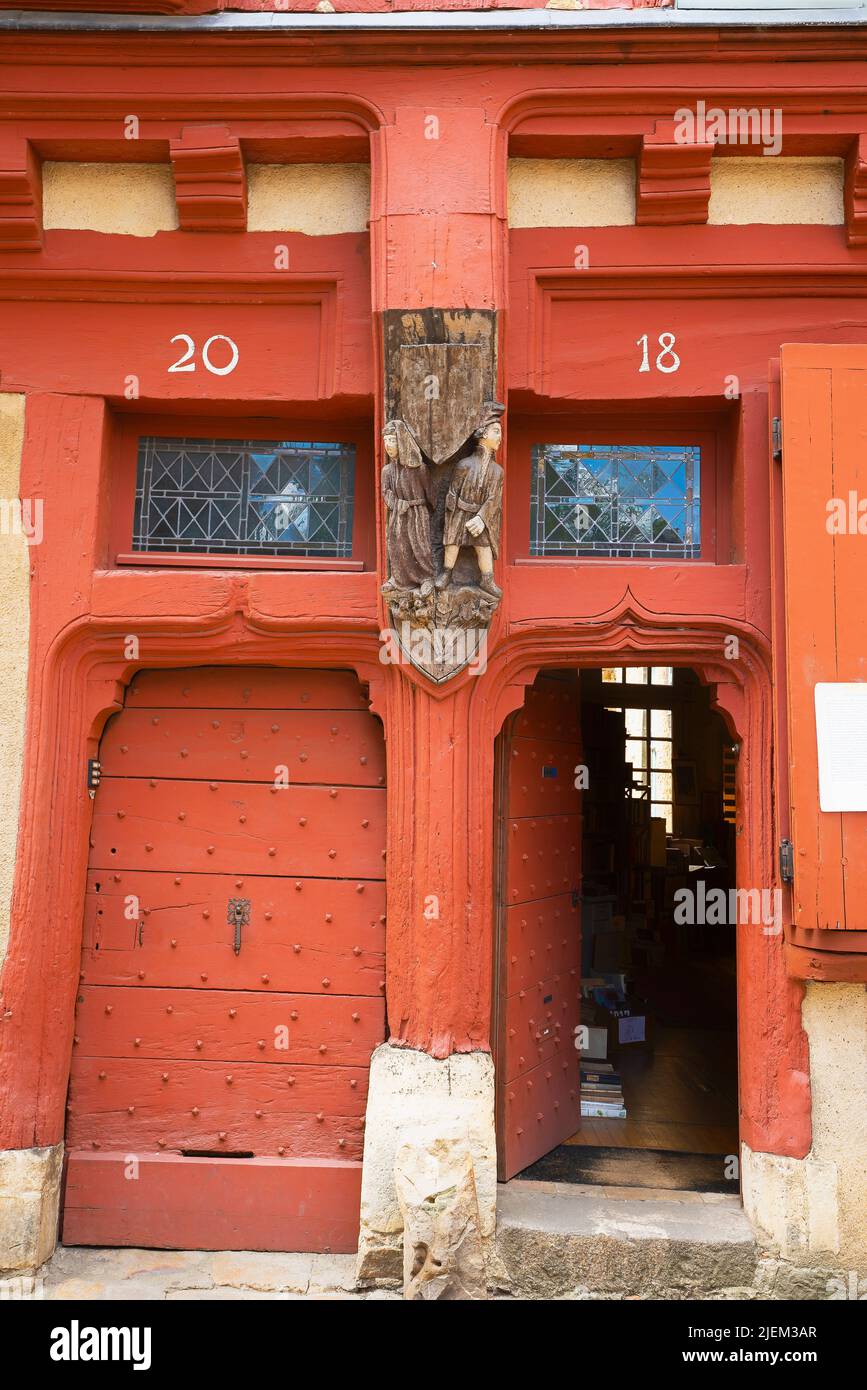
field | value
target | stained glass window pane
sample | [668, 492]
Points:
[244, 497]
[631, 501]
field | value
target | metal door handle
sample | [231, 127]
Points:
[238, 916]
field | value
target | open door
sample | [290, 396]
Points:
[539, 938]
[821, 579]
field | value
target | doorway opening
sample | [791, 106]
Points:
[619, 1068]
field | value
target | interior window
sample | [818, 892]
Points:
[648, 740]
[630, 501]
[244, 497]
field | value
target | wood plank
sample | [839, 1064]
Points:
[551, 710]
[314, 1111]
[542, 778]
[228, 827]
[212, 1204]
[850, 575]
[540, 1110]
[341, 748]
[228, 1025]
[302, 933]
[543, 857]
[808, 447]
[544, 937]
[245, 687]
[540, 1024]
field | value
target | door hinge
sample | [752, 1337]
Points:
[94, 774]
[787, 861]
[777, 437]
[238, 916]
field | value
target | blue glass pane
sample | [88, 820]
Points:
[628, 500]
[244, 497]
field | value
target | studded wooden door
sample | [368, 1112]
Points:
[232, 982]
[539, 938]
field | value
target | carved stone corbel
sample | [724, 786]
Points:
[441, 483]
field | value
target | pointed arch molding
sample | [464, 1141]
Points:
[773, 1055]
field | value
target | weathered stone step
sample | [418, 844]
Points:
[558, 1240]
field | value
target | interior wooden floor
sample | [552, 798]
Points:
[682, 1097]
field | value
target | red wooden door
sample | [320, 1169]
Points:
[539, 947]
[232, 965]
[823, 520]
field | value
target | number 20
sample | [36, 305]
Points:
[666, 344]
[186, 362]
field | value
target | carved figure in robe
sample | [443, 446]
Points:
[409, 494]
[474, 505]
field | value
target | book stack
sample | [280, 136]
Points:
[601, 1091]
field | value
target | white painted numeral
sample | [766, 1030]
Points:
[233, 360]
[666, 342]
[667, 359]
[187, 363]
[184, 362]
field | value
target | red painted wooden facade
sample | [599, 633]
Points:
[84, 312]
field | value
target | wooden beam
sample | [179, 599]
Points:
[855, 205]
[210, 179]
[673, 179]
[20, 195]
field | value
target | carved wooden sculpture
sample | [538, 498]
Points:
[441, 484]
[409, 496]
[474, 505]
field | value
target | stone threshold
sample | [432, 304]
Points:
[565, 1240]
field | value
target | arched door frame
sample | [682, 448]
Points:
[773, 1064]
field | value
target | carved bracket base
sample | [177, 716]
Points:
[441, 633]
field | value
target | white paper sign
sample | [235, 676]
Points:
[631, 1029]
[841, 731]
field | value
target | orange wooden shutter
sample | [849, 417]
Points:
[824, 457]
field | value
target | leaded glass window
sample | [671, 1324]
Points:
[244, 497]
[633, 501]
